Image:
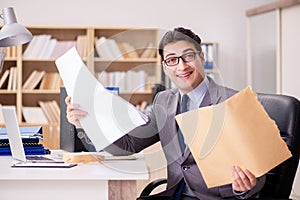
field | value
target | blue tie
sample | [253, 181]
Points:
[183, 108]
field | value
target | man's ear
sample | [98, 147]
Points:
[165, 70]
[202, 57]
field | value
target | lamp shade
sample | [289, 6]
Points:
[12, 33]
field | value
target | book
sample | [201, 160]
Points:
[127, 50]
[114, 49]
[81, 45]
[4, 77]
[11, 78]
[46, 111]
[30, 47]
[61, 47]
[29, 79]
[50, 48]
[44, 48]
[33, 80]
[34, 115]
[15, 79]
[102, 48]
[51, 110]
[51, 80]
[148, 52]
[56, 109]
[36, 80]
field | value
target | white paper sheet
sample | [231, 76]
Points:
[109, 116]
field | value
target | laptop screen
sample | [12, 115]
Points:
[13, 133]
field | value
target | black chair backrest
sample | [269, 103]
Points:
[285, 111]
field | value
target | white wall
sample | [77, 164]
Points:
[214, 20]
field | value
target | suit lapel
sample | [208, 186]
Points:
[172, 147]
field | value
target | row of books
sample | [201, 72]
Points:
[47, 112]
[110, 49]
[130, 81]
[10, 52]
[31, 138]
[46, 47]
[9, 79]
[43, 80]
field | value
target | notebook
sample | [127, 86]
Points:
[16, 145]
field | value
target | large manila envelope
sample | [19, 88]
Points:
[235, 132]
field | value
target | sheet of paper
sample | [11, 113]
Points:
[109, 116]
[235, 132]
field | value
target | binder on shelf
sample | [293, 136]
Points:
[209, 55]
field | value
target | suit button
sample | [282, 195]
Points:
[184, 167]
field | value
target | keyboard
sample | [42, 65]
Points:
[37, 158]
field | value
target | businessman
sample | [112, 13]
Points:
[183, 62]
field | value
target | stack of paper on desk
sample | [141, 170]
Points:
[235, 132]
[109, 116]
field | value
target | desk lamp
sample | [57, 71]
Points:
[12, 33]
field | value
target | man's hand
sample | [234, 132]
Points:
[74, 113]
[242, 180]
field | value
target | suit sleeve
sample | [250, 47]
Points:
[138, 139]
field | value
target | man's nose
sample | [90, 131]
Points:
[181, 63]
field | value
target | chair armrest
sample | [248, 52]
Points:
[152, 185]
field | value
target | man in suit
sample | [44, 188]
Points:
[183, 62]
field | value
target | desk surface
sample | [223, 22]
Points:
[107, 170]
[107, 180]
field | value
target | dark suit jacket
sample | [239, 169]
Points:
[162, 127]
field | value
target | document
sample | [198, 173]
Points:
[109, 116]
[235, 132]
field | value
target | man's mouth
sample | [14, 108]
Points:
[185, 75]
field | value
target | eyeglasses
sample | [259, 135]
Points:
[187, 57]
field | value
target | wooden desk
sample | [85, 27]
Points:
[113, 180]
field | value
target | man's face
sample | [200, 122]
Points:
[185, 75]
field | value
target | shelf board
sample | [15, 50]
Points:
[43, 59]
[38, 91]
[4, 91]
[136, 93]
[10, 59]
[141, 60]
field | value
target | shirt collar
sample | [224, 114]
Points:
[197, 94]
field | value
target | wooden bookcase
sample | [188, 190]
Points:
[139, 38]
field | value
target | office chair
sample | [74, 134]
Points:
[285, 111]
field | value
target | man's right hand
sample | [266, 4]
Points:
[74, 114]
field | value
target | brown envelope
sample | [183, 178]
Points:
[235, 132]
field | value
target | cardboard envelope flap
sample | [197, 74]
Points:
[215, 129]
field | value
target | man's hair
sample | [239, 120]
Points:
[179, 34]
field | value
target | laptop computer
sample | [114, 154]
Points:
[16, 145]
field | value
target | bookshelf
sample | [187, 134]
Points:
[27, 60]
